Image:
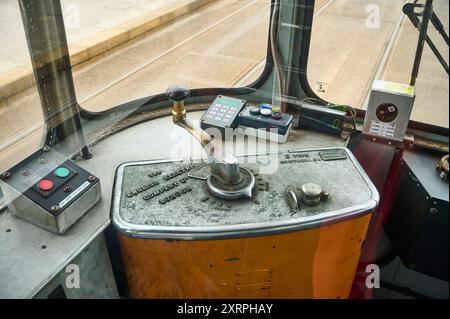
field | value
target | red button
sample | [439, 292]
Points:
[45, 185]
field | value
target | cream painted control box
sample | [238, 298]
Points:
[389, 110]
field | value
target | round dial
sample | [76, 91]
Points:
[387, 112]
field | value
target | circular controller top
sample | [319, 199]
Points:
[243, 189]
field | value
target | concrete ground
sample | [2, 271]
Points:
[224, 44]
[83, 19]
[344, 58]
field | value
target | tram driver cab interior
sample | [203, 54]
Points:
[259, 191]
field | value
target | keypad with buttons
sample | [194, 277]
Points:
[222, 113]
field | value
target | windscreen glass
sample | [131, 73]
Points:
[355, 42]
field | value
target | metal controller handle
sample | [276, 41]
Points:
[224, 166]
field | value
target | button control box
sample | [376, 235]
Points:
[389, 110]
[276, 125]
[222, 113]
[49, 190]
[264, 121]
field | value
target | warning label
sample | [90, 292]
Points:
[382, 129]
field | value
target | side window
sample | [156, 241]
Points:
[356, 42]
[21, 119]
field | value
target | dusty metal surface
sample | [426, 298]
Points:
[26, 267]
[96, 276]
[182, 205]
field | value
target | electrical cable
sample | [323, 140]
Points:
[275, 53]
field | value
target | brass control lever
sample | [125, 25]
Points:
[227, 179]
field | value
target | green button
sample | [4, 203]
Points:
[62, 172]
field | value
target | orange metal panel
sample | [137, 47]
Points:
[313, 263]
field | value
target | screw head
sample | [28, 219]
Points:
[6, 175]
[54, 208]
[92, 178]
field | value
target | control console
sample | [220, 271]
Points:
[171, 200]
[50, 191]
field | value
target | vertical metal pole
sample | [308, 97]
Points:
[3, 206]
[428, 11]
[47, 43]
[439, 27]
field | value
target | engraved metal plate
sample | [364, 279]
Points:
[181, 207]
[333, 155]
